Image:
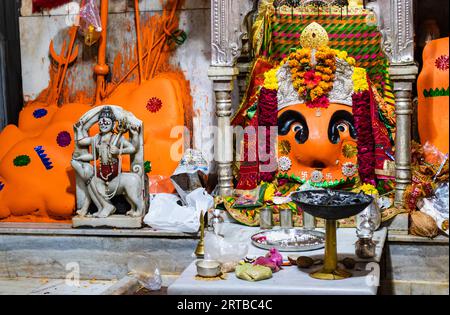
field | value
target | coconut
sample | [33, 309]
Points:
[423, 225]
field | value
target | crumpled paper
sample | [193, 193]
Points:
[167, 212]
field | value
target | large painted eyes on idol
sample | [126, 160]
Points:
[341, 121]
[293, 121]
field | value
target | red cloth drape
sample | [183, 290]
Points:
[39, 5]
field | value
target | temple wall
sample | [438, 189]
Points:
[193, 57]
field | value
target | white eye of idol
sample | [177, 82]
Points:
[342, 127]
[296, 127]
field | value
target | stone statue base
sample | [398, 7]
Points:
[114, 221]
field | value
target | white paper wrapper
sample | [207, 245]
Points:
[167, 212]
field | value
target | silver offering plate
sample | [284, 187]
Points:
[289, 240]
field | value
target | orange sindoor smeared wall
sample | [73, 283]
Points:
[37, 183]
[433, 89]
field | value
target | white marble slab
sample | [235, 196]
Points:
[290, 280]
[42, 286]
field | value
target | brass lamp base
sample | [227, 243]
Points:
[338, 274]
[200, 250]
[330, 270]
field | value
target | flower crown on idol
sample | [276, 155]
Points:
[315, 74]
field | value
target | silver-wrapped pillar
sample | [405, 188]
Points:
[403, 77]
[226, 44]
[223, 78]
[396, 23]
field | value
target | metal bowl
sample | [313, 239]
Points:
[289, 240]
[208, 268]
[331, 204]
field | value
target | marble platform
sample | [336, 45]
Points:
[291, 280]
[114, 221]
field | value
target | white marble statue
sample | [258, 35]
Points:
[97, 161]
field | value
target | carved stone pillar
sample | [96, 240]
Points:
[403, 77]
[226, 46]
[223, 78]
[395, 19]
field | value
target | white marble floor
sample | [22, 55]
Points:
[36, 286]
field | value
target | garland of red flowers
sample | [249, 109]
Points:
[365, 141]
[313, 82]
[268, 108]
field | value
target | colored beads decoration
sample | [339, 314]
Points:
[45, 160]
[63, 139]
[154, 105]
[442, 63]
[147, 167]
[2, 186]
[436, 92]
[39, 113]
[22, 160]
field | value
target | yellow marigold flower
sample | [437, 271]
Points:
[270, 192]
[367, 189]
[270, 79]
[304, 60]
[326, 77]
[351, 61]
[324, 85]
[316, 92]
[359, 78]
[342, 55]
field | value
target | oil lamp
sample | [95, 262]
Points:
[331, 206]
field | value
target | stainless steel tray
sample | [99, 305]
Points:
[289, 240]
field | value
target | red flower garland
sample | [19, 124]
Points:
[365, 141]
[268, 108]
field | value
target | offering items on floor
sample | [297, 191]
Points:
[251, 272]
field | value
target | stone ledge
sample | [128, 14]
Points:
[398, 238]
[62, 229]
[114, 221]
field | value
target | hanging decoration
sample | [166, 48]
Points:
[90, 23]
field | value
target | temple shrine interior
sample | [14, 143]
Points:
[255, 147]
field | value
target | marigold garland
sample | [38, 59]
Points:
[313, 82]
[359, 78]
[271, 80]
